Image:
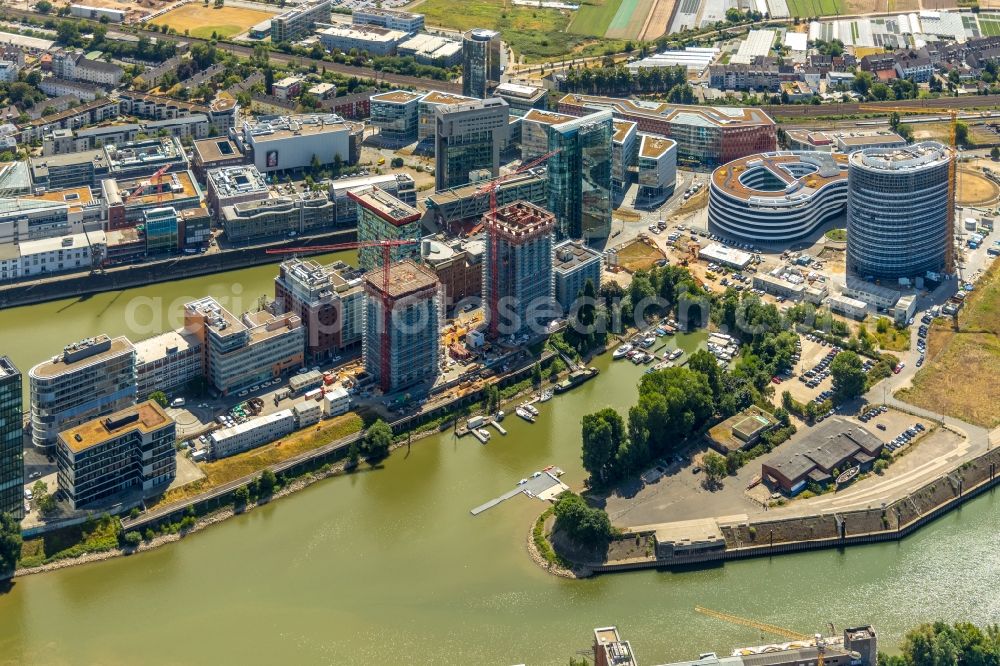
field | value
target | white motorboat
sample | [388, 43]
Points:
[545, 396]
[531, 409]
[621, 352]
[525, 414]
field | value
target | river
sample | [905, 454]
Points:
[387, 566]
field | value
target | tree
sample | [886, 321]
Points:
[848, 376]
[940, 644]
[160, 398]
[492, 399]
[536, 375]
[603, 433]
[10, 545]
[43, 7]
[353, 455]
[995, 153]
[241, 497]
[377, 441]
[587, 526]
[962, 134]
[715, 467]
[266, 483]
[132, 539]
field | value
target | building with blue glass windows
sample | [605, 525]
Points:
[580, 176]
[11, 443]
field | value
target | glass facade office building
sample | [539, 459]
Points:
[897, 211]
[580, 176]
[11, 442]
[162, 230]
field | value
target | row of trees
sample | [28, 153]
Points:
[678, 403]
[941, 644]
[619, 80]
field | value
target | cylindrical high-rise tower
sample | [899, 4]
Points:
[897, 211]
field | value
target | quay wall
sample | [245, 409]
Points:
[77, 285]
[763, 536]
[329, 453]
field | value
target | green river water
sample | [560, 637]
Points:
[387, 566]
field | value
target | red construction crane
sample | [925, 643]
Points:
[386, 246]
[155, 178]
[490, 188]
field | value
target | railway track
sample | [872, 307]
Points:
[276, 56]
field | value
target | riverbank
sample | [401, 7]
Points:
[214, 516]
[724, 538]
[81, 285]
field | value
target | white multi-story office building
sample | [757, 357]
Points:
[89, 379]
[63, 253]
[246, 350]
[293, 142]
[657, 168]
[369, 38]
[167, 362]
[388, 18]
[297, 22]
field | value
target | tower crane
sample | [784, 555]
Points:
[816, 639]
[155, 179]
[952, 165]
[386, 246]
[492, 231]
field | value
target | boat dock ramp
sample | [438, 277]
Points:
[477, 427]
[544, 485]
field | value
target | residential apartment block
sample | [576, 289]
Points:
[522, 285]
[409, 354]
[304, 213]
[382, 216]
[328, 299]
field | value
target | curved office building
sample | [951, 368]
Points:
[897, 211]
[771, 198]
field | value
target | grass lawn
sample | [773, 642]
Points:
[839, 235]
[807, 8]
[202, 21]
[537, 34]
[960, 379]
[220, 472]
[91, 537]
[594, 17]
[894, 339]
